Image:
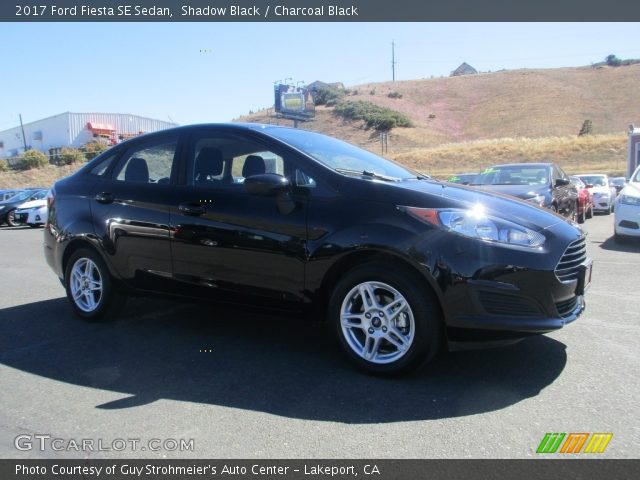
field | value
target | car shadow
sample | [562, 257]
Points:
[630, 245]
[208, 354]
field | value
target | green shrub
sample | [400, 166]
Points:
[394, 95]
[587, 128]
[69, 156]
[374, 116]
[328, 96]
[33, 159]
[4, 166]
[92, 149]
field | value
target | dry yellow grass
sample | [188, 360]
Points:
[597, 153]
[40, 177]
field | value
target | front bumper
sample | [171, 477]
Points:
[627, 221]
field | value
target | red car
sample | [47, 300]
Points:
[585, 204]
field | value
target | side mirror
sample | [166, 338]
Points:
[562, 182]
[589, 185]
[266, 184]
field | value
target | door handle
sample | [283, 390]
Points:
[104, 197]
[195, 209]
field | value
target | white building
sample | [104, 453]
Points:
[74, 130]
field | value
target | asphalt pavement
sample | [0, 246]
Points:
[179, 380]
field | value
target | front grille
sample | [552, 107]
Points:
[567, 307]
[568, 268]
[501, 304]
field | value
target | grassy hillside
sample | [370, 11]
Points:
[467, 123]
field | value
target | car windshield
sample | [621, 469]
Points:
[20, 196]
[341, 156]
[595, 180]
[577, 182]
[513, 175]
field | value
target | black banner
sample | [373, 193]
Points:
[575, 469]
[318, 10]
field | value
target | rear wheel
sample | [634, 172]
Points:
[608, 210]
[590, 212]
[386, 320]
[89, 287]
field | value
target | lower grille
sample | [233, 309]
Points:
[501, 304]
[568, 268]
[567, 307]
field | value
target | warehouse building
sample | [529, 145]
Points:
[69, 129]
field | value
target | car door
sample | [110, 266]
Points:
[226, 243]
[130, 209]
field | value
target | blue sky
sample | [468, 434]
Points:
[210, 72]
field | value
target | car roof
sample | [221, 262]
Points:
[524, 164]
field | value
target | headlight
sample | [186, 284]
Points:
[537, 199]
[629, 200]
[474, 223]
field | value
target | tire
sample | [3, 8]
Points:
[398, 341]
[590, 212]
[608, 210]
[581, 216]
[87, 277]
[34, 225]
[11, 219]
[554, 208]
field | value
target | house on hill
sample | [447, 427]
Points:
[464, 69]
[318, 85]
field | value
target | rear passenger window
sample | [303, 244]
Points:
[151, 163]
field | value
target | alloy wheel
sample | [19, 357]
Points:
[377, 322]
[86, 285]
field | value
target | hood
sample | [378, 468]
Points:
[600, 189]
[33, 203]
[631, 189]
[432, 194]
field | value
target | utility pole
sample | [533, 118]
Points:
[24, 139]
[393, 60]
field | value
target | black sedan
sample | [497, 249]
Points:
[278, 217]
[9, 206]
[543, 184]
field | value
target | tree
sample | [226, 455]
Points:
[92, 149]
[613, 61]
[33, 159]
[71, 155]
[587, 128]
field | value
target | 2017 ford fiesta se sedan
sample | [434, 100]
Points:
[284, 218]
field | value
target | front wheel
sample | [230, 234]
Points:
[590, 212]
[89, 287]
[387, 321]
[608, 210]
[11, 218]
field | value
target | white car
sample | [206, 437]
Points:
[627, 221]
[33, 213]
[603, 193]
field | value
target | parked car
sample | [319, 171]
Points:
[585, 204]
[8, 207]
[7, 194]
[618, 183]
[602, 193]
[397, 263]
[627, 219]
[32, 213]
[463, 178]
[543, 184]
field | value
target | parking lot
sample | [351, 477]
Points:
[244, 385]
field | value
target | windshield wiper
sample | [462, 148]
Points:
[366, 173]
